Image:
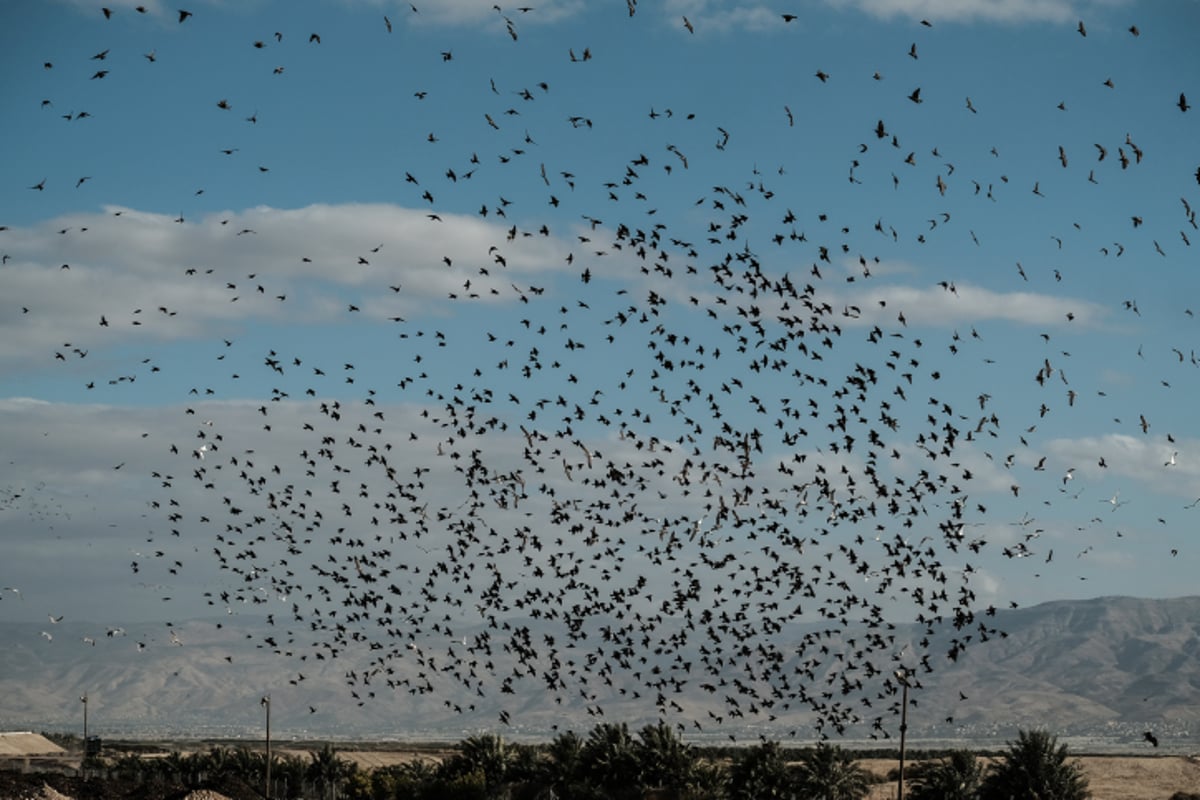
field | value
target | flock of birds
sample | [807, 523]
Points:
[636, 483]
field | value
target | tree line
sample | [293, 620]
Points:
[610, 763]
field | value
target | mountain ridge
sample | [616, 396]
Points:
[1104, 666]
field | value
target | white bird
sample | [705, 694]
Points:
[199, 451]
[48, 636]
[1171, 460]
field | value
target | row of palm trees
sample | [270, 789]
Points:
[611, 763]
[239, 770]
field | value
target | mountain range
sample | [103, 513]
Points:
[1106, 668]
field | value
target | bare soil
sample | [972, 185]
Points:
[1109, 777]
[56, 786]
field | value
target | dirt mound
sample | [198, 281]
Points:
[52, 786]
[33, 789]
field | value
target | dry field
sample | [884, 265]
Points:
[1109, 777]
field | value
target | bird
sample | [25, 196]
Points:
[648, 435]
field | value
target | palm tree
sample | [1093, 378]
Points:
[664, 760]
[709, 781]
[131, 767]
[169, 768]
[327, 771]
[526, 769]
[248, 765]
[487, 753]
[955, 777]
[411, 780]
[609, 761]
[758, 773]
[561, 769]
[829, 773]
[1035, 768]
[287, 776]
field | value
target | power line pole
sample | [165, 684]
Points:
[902, 676]
[266, 701]
[83, 698]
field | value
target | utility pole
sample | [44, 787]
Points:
[266, 702]
[83, 698]
[902, 676]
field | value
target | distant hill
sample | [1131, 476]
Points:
[1108, 667]
[1103, 664]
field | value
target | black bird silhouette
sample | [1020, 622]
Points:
[576, 431]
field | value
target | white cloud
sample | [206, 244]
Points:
[1144, 460]
[959, 305]
[714, 15]
[726, 14]
[965, 304]
[1005, 11]
[147, 274]
[475, 12]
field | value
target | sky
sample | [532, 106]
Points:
[609, 307]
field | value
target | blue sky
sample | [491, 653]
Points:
[419, 202]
